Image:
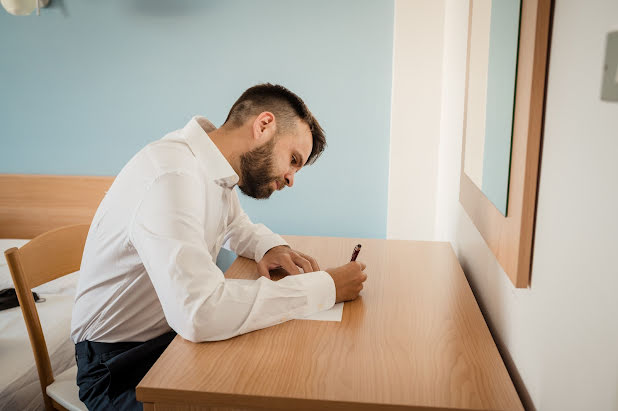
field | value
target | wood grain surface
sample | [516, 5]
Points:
[33, 204]
[414, 339]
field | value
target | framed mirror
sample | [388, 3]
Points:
[503, 116]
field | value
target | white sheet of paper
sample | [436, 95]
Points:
[334, 314]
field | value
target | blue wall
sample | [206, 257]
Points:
[88, 83]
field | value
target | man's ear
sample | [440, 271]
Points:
[264, 126]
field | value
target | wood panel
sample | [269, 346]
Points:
[33, 204]
[414, 339]
[510, 238]
[188, 407]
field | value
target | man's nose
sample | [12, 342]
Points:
[289, 179]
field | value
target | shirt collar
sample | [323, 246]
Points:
[207, 153]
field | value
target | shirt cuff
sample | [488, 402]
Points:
[266, 243]
[321, 293]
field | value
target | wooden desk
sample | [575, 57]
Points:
[415, 339]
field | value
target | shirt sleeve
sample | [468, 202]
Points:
[167, 231]
[246, 238]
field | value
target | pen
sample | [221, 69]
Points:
[355, 252]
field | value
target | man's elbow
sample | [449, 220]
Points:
[197, 330]
[206, 319]
[197, 334]
[189, 334]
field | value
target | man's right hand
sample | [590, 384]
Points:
[348, 280]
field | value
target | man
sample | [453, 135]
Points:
[148, 269]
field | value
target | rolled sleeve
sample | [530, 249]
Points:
[320, 289]
[267, 242]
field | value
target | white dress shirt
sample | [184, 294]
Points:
[149, 261]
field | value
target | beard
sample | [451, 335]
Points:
[256, 168]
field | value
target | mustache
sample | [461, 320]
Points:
[280, 182]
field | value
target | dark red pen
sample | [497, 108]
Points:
[355, 252]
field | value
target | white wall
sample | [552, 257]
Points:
[415, 118]
[559, 337]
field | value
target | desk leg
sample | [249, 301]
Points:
[148, 406]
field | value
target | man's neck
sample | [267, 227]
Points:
[231, 144]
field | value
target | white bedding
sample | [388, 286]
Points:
[19, 381]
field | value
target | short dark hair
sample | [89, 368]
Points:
[285, 105]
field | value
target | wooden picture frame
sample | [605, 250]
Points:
[510, 237]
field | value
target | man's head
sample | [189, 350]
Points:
[285, 137]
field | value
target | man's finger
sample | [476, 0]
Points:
[263, 270]
[362, 265]
[302, 263]
[314, 263]
[289, 265]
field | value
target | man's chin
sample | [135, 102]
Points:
[258, 194]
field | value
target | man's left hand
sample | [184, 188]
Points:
[290, 260]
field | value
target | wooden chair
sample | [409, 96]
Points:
[49, 256]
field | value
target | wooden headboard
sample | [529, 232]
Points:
[33, 204]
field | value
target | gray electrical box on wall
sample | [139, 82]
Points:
[609, 90]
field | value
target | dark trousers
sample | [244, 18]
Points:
[107, 373]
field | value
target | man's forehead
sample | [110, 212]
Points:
[306, 140]
[302, 140]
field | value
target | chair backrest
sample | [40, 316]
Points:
[49, 256]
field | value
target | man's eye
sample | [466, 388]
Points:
[293, 159]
